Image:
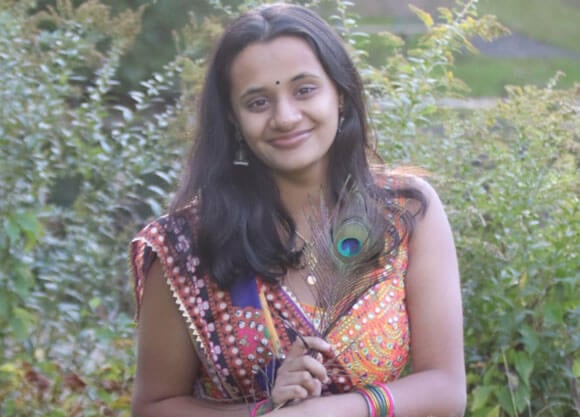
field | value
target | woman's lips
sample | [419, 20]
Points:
[290, 140]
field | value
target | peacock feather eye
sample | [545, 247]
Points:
[349, 247]
[350, 238]
[346, 244]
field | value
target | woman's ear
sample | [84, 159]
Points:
[234, 123]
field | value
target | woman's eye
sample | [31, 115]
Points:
[302, 91]
[257, 104]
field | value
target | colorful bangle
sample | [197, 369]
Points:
[379, 400]
[363, 393]
[261, 408]
[265, 406]
[390, 399]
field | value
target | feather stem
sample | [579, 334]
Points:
[271, 332]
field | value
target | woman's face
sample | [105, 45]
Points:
[285, 105]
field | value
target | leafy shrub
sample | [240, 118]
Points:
[516, 232]
[508, 174]
[81, 173]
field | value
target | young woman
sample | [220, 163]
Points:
[229, 284]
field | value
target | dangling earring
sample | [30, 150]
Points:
[340, 114]
[241, 155]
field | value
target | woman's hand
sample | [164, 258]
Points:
[301, 375]
[336, 405]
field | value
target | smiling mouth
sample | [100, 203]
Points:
[290, 140]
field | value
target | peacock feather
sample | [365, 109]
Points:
[346, 246]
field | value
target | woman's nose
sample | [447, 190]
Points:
[286, 114]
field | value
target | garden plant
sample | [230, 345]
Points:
[85, 164]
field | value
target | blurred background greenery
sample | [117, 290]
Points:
[98, 108]
[546, 38]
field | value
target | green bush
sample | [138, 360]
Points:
[508, 174]
[154, 45]
[516, 232]
[75, 169]
[81, 173]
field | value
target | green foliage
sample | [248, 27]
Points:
[555, 23]
[95, 380]
[519, 218]
[154, 46]
[509, 71]
[81, 173]
[508, 175]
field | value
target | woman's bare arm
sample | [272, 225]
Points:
[437, 383]
[167, 364]
[436, 387]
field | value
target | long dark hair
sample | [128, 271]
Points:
[240, 211]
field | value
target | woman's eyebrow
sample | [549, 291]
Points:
[258, 90]
[252, 91]
[303, 75]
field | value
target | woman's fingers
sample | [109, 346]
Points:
[310, 387]
[306, 344]
[304, 364]
[296, 386]
[301, 375]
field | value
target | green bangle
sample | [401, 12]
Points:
[380, 400]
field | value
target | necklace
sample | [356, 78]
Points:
[310, 259]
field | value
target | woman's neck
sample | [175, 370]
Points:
[302, 201]
[301, 192]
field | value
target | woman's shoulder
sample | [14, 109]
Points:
[181, 222]
[409, 186]
[399, 178]
[170, 239]
[412, 190]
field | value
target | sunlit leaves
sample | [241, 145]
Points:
[82, 170]
[73, 179]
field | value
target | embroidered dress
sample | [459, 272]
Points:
[228, 328]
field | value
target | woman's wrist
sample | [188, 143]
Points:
[379, 400]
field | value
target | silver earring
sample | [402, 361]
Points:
[340, 114]
[241, 154]
[340, 123]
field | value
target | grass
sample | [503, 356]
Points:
[376, 20]
[488, 76]
[556, 22]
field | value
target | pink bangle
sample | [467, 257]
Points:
[390, 398]
[370, 407]
[257, 408]
[391, 402]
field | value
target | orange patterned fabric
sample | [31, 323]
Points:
[228, 328]
[372, 342]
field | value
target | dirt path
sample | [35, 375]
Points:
[397, 8]
[517, 45]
